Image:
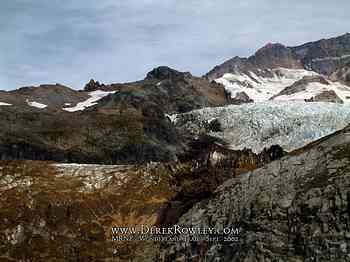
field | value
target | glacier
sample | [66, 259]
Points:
[256, 126]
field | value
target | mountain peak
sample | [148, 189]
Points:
[163, 72]
[271, 47]
[93, 85]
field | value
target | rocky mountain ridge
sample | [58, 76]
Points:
[117, 123]
[276, 67]
[324, 57]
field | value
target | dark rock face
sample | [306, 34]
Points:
[342, 74]
[118, 137]
[23, 151]
[93, 85]
[274, 56]
[325, 56]
[294, 209]
[326, 96]
[164, 72]
[242, 98]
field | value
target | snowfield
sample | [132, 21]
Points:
[262, 89]
[94, 97]
[258, 125]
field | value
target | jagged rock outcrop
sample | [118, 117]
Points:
[294, 209]
[301, 85]
[164, 72]
[326, 96]
[93, 85]
[241, 98]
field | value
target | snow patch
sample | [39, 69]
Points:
[172, 118]
[5, 104]
[36, 104]
[94, 97]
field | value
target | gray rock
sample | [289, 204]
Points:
[294, 209]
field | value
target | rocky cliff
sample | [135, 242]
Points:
[294, 209]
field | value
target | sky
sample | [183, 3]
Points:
[71, 41]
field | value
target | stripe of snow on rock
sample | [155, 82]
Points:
[36, 104]
[5, 104]
[94, 97]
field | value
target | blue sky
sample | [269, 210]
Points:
[71, 41]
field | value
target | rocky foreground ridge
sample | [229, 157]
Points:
[65, 212]
[294, 209]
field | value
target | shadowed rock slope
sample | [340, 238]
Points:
[168, 89]
[294, 209]
[127, 126]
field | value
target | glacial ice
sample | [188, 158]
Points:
[259, 125]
